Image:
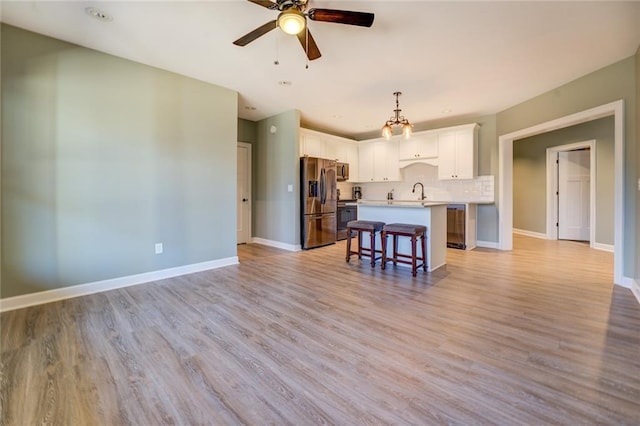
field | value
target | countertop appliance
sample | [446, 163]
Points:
[318, 201]
[342, 171]
[455, 226]
[357, 192]
[346, 213]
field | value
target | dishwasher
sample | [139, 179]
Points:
[456, 232]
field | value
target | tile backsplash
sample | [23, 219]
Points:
[479, 190]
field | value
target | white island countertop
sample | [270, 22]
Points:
[400, 203]
[430, 214]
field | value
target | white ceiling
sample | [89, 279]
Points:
[448, 58]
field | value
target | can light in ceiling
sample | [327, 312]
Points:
[397, 120]
[98, 14]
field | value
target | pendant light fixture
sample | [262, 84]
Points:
[398, 120]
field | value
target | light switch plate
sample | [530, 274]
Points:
[290, 188]
[159, 248]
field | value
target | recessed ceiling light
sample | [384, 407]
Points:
[250, 108]
[336, 116]
[285, 83]
[446, 111]
[98, 14]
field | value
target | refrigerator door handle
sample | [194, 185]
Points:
[323, 189]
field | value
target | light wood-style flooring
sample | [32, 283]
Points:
[535, 336]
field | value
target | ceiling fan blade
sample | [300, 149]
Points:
[312, 48]
[260, 31]
[361, 19]
[265, 3]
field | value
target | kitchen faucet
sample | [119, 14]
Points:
[422, 197]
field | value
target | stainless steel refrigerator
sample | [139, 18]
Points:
[318, 185]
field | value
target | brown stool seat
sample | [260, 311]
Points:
[405, 230]
[365, 225]
[360, 226]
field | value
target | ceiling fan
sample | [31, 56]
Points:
[293, 20]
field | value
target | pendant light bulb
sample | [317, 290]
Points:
[407, 130]
[387, 131]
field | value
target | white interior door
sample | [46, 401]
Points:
[243, 203]
[574, 195]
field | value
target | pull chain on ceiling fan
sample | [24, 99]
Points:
[293, 20]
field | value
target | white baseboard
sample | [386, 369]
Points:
[604, 247]
[487, 244]
[530, 233]
[276, 244]
[633, 285]
[39, 298]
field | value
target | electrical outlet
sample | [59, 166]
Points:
[159, 248]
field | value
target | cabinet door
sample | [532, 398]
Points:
[331, 148]
[408, 148]
[446, 155]
[386, 167]
[354, 162]
[465, 155]
[312, 145]
[428, 146]
[366, 157]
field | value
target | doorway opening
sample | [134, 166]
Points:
[505, 177]
[571, 192]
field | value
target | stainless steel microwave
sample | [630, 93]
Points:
[342, 171]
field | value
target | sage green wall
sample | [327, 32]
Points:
[530, 176]
[637, 169]
[276, 212]
[102, 158]
[614, 82]
[247, 131]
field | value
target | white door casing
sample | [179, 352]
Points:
[574, 195]
[505, 177]
[243, 196]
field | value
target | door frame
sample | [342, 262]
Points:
[505, 177]
[249, 196]
[552, 184]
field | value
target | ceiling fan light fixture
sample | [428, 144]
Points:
[291, 21]
[397, 120]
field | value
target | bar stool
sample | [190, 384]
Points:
[405, 230]
[361, 226]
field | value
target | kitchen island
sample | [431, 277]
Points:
[431, 215]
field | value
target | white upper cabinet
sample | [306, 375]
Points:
[379, 161]
[322, 145]
[419, 146]
[312, 144]
[457, 152]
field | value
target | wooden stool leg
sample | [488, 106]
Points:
[383, 243]
[348, 244]
[424, 252]
[414, 256]
[395, 249]
[372, 236]
[359, 244]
